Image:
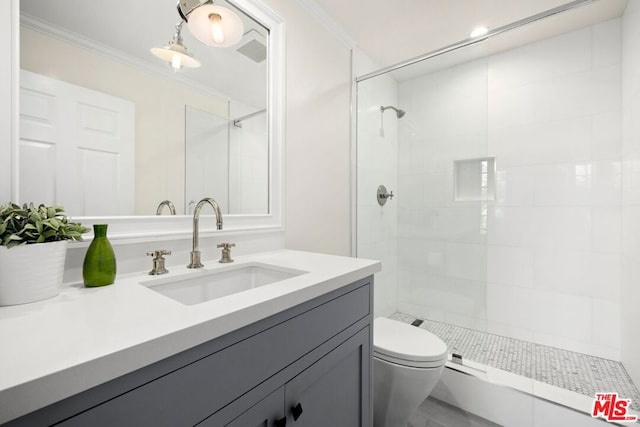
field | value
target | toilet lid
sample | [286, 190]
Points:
[405, 342]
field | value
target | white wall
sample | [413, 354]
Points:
[630, 294]
[317, 204]
[549, 245]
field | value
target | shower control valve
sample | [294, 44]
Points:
[383, 195]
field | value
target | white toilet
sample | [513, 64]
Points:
[407, 364]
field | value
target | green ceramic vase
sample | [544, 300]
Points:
[99, 267]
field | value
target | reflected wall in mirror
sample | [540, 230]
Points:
[122, 110]
[228, 159]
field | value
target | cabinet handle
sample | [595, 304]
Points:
[281, 422]
[296, 411]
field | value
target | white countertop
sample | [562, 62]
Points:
[53, 349]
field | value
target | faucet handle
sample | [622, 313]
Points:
[226, 252]
[158, 261]
[159, 253]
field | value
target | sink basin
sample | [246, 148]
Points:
[199, 286]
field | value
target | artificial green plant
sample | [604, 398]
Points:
[28, 224]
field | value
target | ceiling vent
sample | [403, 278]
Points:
[253, 46]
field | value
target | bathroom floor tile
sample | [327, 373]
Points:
[435, 413]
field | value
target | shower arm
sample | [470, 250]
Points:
[399, 113]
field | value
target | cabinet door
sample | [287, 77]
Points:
[334, 391]
[269, 412]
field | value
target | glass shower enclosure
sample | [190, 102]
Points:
[506, 170]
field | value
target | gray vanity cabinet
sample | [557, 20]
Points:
[269, 412]
[330, 392]
[306, 366]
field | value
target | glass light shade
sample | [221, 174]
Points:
[176, 55]
[203, 27]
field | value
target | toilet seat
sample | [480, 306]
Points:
[407, 345]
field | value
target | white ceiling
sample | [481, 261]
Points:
[392, 32]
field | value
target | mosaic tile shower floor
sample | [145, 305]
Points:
[572, 371]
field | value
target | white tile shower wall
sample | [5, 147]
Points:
[545, 254]
[629, 313]
[377, 157]
[554, 267]
[442, 243]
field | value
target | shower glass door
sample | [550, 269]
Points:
[432, 235]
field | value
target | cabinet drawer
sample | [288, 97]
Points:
[195, 391]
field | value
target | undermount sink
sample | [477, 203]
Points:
[199, 286]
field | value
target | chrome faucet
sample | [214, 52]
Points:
[172, 209]
[195, 253]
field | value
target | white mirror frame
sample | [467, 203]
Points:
[153, 227]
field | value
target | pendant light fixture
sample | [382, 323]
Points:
[213, 25]
[176, 53]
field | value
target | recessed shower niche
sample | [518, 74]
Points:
[474, 179]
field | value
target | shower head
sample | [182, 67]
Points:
[399, 113]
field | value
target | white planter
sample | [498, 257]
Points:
[31, 273]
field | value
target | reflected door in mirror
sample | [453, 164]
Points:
[76, 148]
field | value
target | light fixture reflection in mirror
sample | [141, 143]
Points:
[176, 53]
[212, 24]
[118, 64]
